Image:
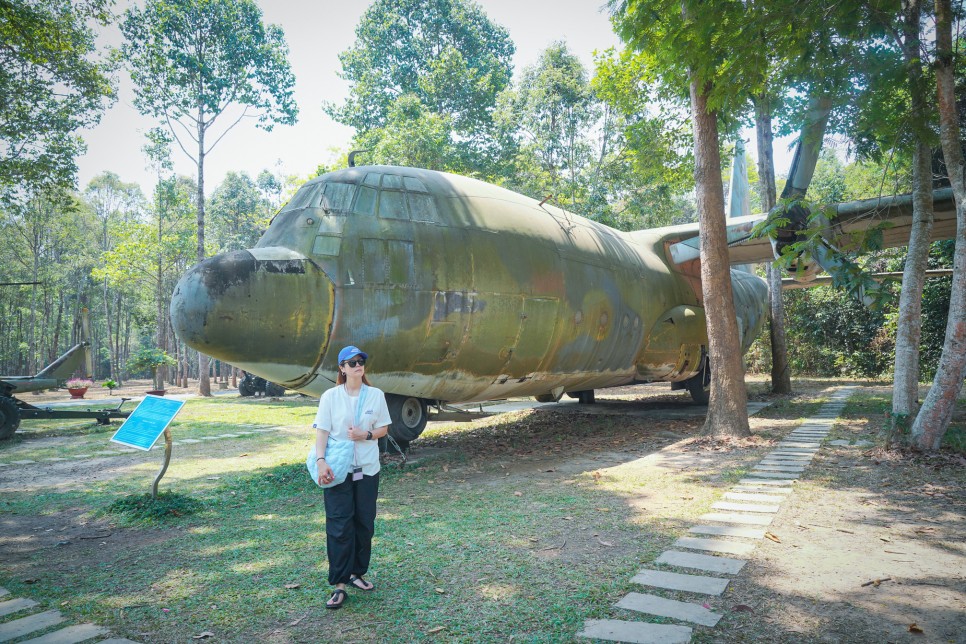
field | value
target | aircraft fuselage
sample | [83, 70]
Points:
[459, 291]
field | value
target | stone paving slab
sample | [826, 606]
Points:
[779, 468]
[617, 630]
[799, 444]
[755, 481]
[708, 563]
[746, 519]
[118, 640]
[14, 605]
[24, 625]
[728, 531]
[25, 462]
[83, 455]
[744, 507]
[190, 441]
[714, 545]
[786, 476]
[773, 460]
[792, 458]
[676, 581]
[760, 498]
[4, 591]
[758, 488]
[69, 635]
[654, 605]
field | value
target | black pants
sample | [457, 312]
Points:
[350, 521]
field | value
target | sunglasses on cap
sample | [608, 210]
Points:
[355, 363]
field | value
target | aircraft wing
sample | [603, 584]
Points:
[844, 222]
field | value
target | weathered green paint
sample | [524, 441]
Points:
[53, 375]
[471, 292]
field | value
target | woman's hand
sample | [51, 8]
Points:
[357, 434]
[325, 473]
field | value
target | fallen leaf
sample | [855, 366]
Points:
[203, 635]
[596, 476]
[293, 586]
[433, 631]
[568, 518]
[705, 605]
[296, 622]
[518, 493]
[876, 582]
[31, 580]
[742, 608]
[605, 543]
[534, 539]
[914, 628]
[243, 455]
[439, 590]
[603, 509]
[773, 537]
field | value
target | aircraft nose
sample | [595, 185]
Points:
[265, 310]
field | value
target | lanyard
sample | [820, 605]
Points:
[360, 404]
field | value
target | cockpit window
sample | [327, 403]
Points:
[304, 197]
[372, 179]
[392, 181]
[414, 185]
[338, 196]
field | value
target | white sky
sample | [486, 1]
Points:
[316, 32]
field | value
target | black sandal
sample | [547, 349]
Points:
[356, 580]
[338, 592]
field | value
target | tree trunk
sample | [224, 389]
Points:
[905, 386]
[781, 381]
[937, 410]
[204, 384]
[728, 404]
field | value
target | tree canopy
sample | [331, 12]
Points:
[53, 83]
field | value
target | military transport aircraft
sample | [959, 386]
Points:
[463, 291]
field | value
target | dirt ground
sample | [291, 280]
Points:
[869, 547]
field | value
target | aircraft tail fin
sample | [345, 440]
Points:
[65, 366]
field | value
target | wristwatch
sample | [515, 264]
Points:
[369, 435]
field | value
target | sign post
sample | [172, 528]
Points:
[145, 424]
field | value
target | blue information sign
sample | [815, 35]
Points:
[147, 422]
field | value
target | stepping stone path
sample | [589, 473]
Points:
[45, 627]
[749, 507]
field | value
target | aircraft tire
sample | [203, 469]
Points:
[548, 398]
[246, 388]
[274, 391]
[409, 416]
[9, 417]
[699, 385]
[586, 397]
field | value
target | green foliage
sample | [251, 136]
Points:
[191, 59]
[445, 53]
[54, 83]
[149, 359]
[238, 213]
[168, 506]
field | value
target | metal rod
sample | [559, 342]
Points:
[164, 466]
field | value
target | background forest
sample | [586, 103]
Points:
[608, 143]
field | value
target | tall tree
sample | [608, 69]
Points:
[193, 61]
[550, 112]
[688, 43]
[238, 212]
[905, 388]
[937, 409]
[53, 83]
[446, 53]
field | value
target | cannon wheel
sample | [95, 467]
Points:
[9, 417]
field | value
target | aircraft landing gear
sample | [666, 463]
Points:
[699, 385]
[9, 417]
[409, 416]
[585, 397]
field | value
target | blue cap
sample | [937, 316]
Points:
[350, 351]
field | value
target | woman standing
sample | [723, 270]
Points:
[355, 411]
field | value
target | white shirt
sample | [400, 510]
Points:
[338, 410]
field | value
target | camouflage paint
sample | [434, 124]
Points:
[458, 290]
